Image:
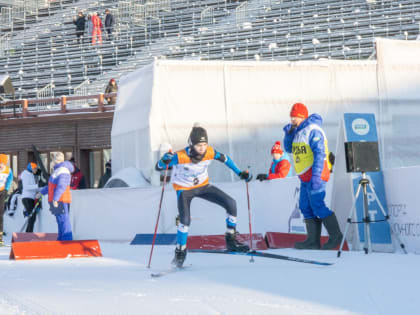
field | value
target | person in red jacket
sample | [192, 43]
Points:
[77, 179]
[97, 29]
[280, 167]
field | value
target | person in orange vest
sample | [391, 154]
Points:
[190, 179]
[97, 29]
[6, 179]
[59, 196]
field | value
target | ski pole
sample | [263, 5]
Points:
[249, 218]
[160, 207]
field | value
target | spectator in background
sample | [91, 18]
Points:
[112, 87]
[97, 29]
[77, 179]
[29, 191]
[106, 176]
[109, 24]
[280, 167]
[6, 179]
[80, 22]
[59, 195]
[89, 27]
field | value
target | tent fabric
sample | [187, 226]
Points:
[244, 105]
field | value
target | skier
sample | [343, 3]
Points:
[305, 138]
[190, 179]
[6, 179]
[30, 190]
[280, 167]
[59, 196]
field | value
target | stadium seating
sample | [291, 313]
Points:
[40, 53]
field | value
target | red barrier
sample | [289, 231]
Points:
[218, 241]
[55, 249]
[288, 240]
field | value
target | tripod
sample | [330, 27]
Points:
[363, 184]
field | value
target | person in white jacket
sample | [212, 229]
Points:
[29, 192]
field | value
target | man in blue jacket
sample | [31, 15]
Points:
[307, 141]
[59, 196]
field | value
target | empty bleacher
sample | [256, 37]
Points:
[40, 53]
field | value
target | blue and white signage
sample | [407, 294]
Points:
[362, 127]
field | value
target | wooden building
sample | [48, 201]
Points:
[86, 136]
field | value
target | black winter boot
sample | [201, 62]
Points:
[233, 245]
[313, 228]
[331, 224]
[180, 255]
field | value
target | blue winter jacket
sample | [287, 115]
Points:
[317, 146]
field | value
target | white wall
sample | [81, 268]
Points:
[403, 199]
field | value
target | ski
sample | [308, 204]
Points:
[261, 254]
[168, 271]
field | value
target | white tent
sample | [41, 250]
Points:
[244, 105]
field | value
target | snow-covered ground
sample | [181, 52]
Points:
[120, 283]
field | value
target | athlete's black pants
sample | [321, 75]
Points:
[29, 205]
[3, 195]
[209, 193]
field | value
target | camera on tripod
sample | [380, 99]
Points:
[362, 157]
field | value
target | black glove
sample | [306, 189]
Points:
[331, 158]
[292, 129]
[245, 175]
[262, 177]
[57, 210]
[177, 220]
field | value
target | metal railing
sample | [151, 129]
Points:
[80, 90]
[207, 16]
[47, 92]
[6, 17]
[4, 44]
[241, 14]
[26, 110]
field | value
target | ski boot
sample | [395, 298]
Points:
[232, 243]
[180, 255]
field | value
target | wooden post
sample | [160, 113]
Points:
[101, 102]
[63, 102]
[25, 108]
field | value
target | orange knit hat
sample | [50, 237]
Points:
[299, 110]
[4, 159]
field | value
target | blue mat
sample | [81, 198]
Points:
[147, 239]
